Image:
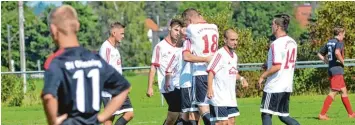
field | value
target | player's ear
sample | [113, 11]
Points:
[77, 26]
[54, 31]
[169, 28]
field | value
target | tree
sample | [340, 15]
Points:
[132, 15]
[258, 17]
[164, 9]
[33, 27]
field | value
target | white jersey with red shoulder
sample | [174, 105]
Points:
[162, 57]
[224, 67]
[182, 70]
[204, 41]
[283, 51]
[112, 56]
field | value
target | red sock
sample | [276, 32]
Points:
[327, 102]
[347, 105]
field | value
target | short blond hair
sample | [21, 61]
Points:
[65, 18]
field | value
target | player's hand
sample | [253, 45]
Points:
[150, 92]
[264, 66]
[260, 83]
[210, 93]
[245, 83]
[60, 119]
[209, 58]
[166, 86]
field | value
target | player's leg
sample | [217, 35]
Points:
[127, 111]
[194, 117]
[265, 107]
[340, 83]
[232, 113]
[201, 91]
[173, 99]
[105, 101]
[329, 99]
[219, 115]
[185, 105]
[284, 109]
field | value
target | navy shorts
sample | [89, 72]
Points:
[126, 107]
[173, 99]
[187, 99]
[221, 113]
[201, 90]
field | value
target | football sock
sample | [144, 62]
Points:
[288, 120]
[266, 118]
[206, 118]
[347, 105]
[327, 102]
[121, 121]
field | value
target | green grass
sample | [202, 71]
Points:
[148, 111]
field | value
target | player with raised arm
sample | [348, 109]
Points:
[334, 50]
[180, 71]
[112, 56]
[204, 43]
[162, 57]
[222, 78]
[74, 77]
[281, 61]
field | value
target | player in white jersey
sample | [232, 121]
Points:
[280, 69]
[204, 43]
[222, 78]
[111, 55]
[179, 72]
[162, 57]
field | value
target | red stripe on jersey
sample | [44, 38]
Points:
[188, 45]
[156, 61]
[215, 62]
[155, 64]
[214, 73]
[169, 65]
[51, 57]
[108, 52]
[273, 56]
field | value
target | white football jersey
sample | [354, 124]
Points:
[112, 56]
[283, 51]
[224, 67]
[204, 41]
[162, 57]
[180, 68]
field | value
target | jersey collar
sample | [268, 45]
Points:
[229, 53]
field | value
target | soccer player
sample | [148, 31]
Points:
[111, 55]
[74, 77]
[162, 57]
[180, 71]
[334, 50]
[280, 69]
[204, 43]
[222, 77]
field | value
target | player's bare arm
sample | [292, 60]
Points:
[267, 73]
[209, 85]
[113, 106]
[195, 59]
[339, 56]
[167, 81]
[150, 81]
[321, 57]
[50, 105]
[244, 82]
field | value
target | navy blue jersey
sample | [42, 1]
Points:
[76, 77]
[335, 67]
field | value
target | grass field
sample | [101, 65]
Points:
[148, 111]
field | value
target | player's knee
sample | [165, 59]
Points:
[344, 92]
[231, 121]
[129, 115]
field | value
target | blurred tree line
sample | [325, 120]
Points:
[252, 20]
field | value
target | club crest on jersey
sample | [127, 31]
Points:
[233, 71]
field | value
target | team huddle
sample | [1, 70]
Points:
[196, 77]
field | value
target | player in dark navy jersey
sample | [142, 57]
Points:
[75, 77]
[333, 54]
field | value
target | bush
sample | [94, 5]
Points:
[11, 89]
[32, 96]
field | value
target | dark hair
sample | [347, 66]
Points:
[189, 12]
[282, 20]
[117, 25]
[337, 30]
[175, 22]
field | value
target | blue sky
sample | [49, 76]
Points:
[56, 3]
